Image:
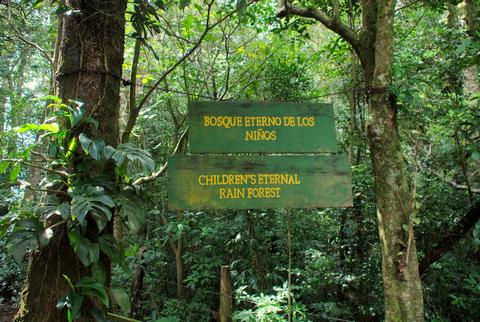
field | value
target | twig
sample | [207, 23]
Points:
[162, 170]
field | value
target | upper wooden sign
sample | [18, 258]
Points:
[235, 127]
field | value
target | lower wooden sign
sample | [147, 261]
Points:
[259, 182]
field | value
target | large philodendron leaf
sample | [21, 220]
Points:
[87, 199]
[89, 286]
[131, 210]
[86, 251]
[128, 151]
[93, 148]
[28, 233]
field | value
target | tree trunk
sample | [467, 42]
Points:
[402, 286]
[471, 11]
[179, 268]
[91, 51]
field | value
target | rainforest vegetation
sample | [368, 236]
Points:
[93, 103]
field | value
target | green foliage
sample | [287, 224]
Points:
[85, 287]
[175, 310]
[268, 307]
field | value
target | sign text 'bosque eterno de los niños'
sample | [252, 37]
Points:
[262, 181]
[234, 127]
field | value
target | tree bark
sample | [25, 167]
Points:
[402, 286]
[91, 50]
[471, 12]
[374, 47]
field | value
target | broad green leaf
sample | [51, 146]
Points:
[120, 296]
[28, 233]
[4, 166]
[91, 287]
[90, 198]
[98, 314]
[132, 153]
[86, 251]
[76, 305]
[14, 173]
[76, 112]
[62, 210]
[131, 210]
[110, 247]
[54, 98]
[49, 127]
[98, 272]
[476, 155]
[94, 148]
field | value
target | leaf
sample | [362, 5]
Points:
[184, 3]
[87, 252]
[131, 210]
[76, 305]
[91, 287]
[62, 210]
[76, 111]
[90, 198]
[132, 153]
[54, 98]
[476, 155]
[98, 314]
[14, 173]
[120, 296]
[4, 166]
[27, 234]
[48, 127]
[110, 247]
[98, 272]
[94, 148]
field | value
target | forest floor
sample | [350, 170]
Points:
[7, 311]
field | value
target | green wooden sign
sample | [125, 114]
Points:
[235, 127]
[258, 182]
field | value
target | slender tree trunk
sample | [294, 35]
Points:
[471, 12]
[92, 38]
[373, 45]
[402, 286]
[179, 268]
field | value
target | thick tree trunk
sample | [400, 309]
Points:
[91, 51]
[402, 286]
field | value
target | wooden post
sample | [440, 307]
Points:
[226, 298]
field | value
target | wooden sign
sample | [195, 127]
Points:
[258, 182]
[234, 127]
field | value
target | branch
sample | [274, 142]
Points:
[455, 184]
[133, 116]
[133, 90]
[443, 246]
[162, 170]
[334, 24]
[34, 45]
[63, 174]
